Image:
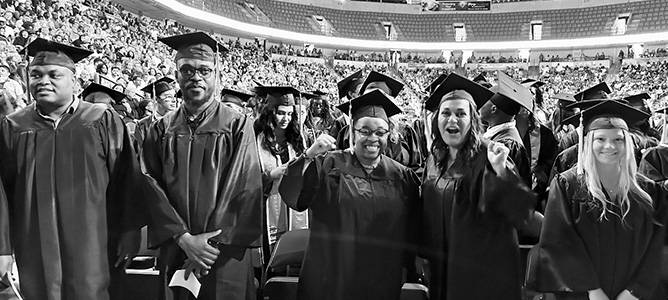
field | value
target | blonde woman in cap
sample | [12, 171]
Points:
[604, 223]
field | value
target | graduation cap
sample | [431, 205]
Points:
[511, 96]
[638, 101]
[93, 87]
[158, 87]
[197, 45]
[235, 96]
[565, 97]
[434, 84]
[527, 83]
[347, 83]
[319, 93]
[594, 92]
[309, 96]
[480, 77]
[278, 95]
[46, 52]
[375, 104]
[608, 114]
[586, 104]
[456, 87]
[393, 86]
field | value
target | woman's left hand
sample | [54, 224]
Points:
[497, 154]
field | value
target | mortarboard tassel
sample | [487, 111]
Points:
[580, 132]
[350, 126]
[28, 76]
[664, 139]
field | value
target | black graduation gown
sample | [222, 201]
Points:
[71, 191]
[578, 252]
[654, 163]
[510, 137]
[564, 161]
[469, 229]
[404, 151]
[141, 130]
[202, 180]
[361, 227]
[547, 154]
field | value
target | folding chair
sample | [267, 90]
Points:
[289, 251]
[530, 278]
[414, 291]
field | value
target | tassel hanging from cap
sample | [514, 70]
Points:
[664, 138]
[580, 132]
[351, 134]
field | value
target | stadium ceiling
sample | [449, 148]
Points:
[206, 21]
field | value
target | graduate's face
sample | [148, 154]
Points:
[52, 85]
[316, 107]
[608, 145]
[370, 138]
[303, 111]
[486, 111]
[197, 88]
[454, 122]
[284, 116]
[167, 100]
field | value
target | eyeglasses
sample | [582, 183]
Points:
[190, 72]
[166, 97]
[368, 132]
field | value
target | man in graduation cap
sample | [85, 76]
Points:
[499, 114]
[163, 96]
[71, 178]
[365, 209]
[235, 99]
[566, 135]
[403, 145]
[645, 135]
[202, 166]
[474, 201]
[422, 125]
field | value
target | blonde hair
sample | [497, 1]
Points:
[627, 179]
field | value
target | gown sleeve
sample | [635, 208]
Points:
[124, 188]
[506, 197]
[646, 277]
[5, 242]
[166, 220]
[653, 165]
[299, 186]
[5, 238]
[563, 260]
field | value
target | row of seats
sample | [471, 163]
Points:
[646, 16]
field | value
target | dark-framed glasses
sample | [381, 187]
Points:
[188, 71]
[366, 132]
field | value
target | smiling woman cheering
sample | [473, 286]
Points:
[364, 206]
[473, 201]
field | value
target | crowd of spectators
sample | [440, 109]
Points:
[127, 55]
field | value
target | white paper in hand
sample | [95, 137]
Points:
[192, 284]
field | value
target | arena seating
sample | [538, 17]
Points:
[646, 16]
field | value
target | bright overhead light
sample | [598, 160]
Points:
[338, 42]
